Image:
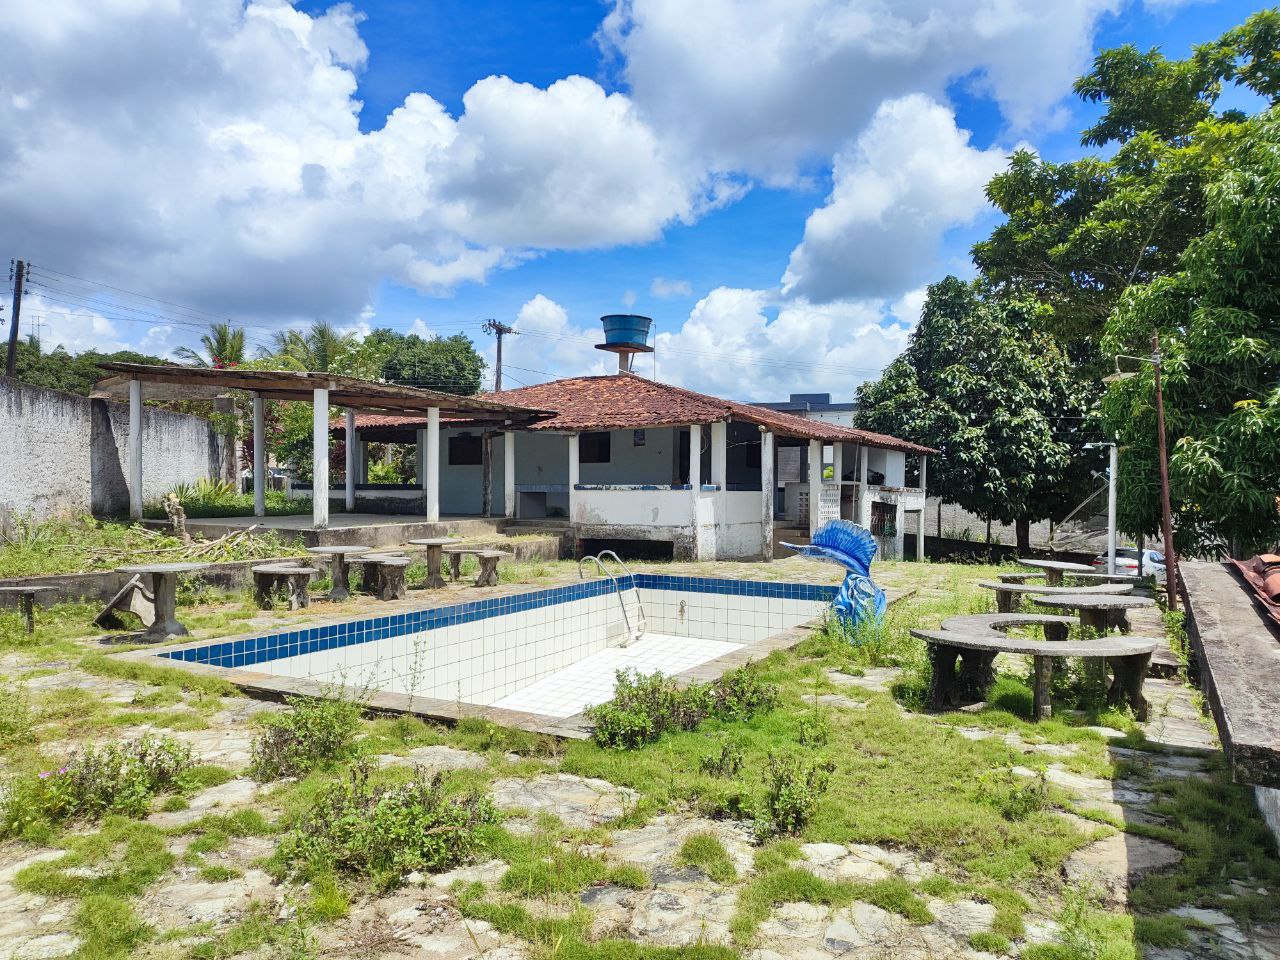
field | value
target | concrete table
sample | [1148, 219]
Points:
[1054, 569]
[339, 567]
[1098, 611]
[1006, 593]
[268, 577]
[164, 588]
[435, 558]
[27, 600]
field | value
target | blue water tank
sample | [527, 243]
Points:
[626, 331]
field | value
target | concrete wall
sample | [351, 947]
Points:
[66, 454]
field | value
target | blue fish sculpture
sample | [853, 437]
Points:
[853, 547]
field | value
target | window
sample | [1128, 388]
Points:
[593, 448]
[464, 450]
[884, 519]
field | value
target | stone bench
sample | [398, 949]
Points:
[1008, 594]
[383, 574]
[998, 624]
[952, 686]
[488, 558]
[294, 578]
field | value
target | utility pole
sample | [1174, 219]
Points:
[1166, 510]
[499, 330]
[19, 275]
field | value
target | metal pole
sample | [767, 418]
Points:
[1166, 510]
[1112, 477]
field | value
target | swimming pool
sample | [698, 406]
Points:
[543, 654]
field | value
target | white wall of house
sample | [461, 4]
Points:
[651, 462]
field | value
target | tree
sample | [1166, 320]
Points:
[1216, 318]
[996, 396]
[72, 373]
[450, 364]
[315, 348]
[1078, 234]
[223, 347]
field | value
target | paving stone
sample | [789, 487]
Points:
[672, 919]
[578, 801]
[876, 679]
[659, 841]
[435, 759]
[1117, 862]
[231, 748]
[836, 700]
[231, 795]
[960, 918]
[43, 946]
[487, 873]
[185, 899]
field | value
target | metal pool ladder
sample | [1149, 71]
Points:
[598, 560]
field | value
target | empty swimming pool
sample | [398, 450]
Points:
[544, 653]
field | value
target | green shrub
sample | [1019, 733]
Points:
[384, 832]
[815, 730]
[726, 761]
[793, 787]
[116, 777]
[312, 733]
[644, 707]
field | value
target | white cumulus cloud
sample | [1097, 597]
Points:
[907, 179]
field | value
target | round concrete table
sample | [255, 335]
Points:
[435, 557]
[339, 568]
[27, 600]
[1054, 569]
[1097, 610]
[1007, 592]
[164, 588]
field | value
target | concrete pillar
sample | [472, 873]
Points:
[695, 458]
[815, 484]
[421, 461]
[135, 449]
[900, 526]
[362, 460]
[320, 458]
[350, 445]
[509, 474]
[431, 483]
[719, 453]
[924, 500]
[573, 476]
[767, 493]
[837, 461]
[259, 457]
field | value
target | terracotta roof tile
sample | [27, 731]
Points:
[627, 401]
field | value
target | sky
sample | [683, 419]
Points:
[774, 182]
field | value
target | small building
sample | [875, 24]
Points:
[626, 458]
[815, 406]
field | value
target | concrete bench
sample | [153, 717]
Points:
[384, 574]
[1008, 594]
[952, 686]
[998, 624]
[488, 558]
[269, 578]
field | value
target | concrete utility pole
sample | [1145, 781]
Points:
[19, 275]
[499, 330]
[1166, 510]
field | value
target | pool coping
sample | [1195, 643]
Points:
[575, 727]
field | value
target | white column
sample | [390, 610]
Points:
[767, 493]
[135, 449]
[695, 458]
[509, 474]
[837, 461]
[421, 461]
[573, 477]
[815, 484]
[362, 460]
[350, 445]
[719, 453]
[1113, 467]
[320, 458]
[259, 457]
[432, 465]
[924, 500]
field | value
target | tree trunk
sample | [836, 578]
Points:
[1023, 527]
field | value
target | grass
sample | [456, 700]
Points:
[707, 853]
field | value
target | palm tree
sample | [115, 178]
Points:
[314, 349]
[223, 347]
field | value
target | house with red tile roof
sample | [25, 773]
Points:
[624, 458]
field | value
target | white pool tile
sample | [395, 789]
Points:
[590, 680]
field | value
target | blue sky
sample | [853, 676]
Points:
[743, 196]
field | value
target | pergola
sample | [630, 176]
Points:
[174, 382]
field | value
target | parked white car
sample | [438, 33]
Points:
[1127, 562]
